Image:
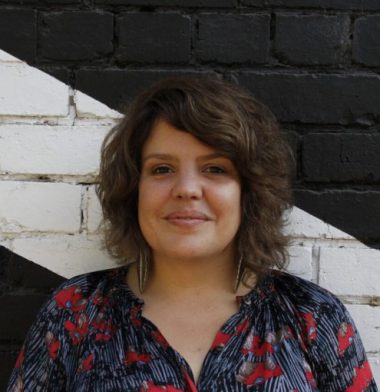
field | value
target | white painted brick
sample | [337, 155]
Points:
[87, 107]
[300, 261]
[375, 366]
[65, 255]
[38, 206]
[6, 57]
[27, 91]
[5, 242]
[367, 320]
[45, 149]
[304, 225]
[350, 271]
[94, 211]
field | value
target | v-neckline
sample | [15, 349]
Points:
[183, 362]
[244, 302]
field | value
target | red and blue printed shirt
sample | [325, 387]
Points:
[288, 335]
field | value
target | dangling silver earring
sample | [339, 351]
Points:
[142, 271]
[239, 274]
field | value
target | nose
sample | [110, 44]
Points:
[187, 185]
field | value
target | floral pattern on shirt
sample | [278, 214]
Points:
[288, 335]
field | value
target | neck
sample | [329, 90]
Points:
[178, 279]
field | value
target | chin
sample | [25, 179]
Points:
[192, 253]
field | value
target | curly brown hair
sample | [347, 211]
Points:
[231, 121]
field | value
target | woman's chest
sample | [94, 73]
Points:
[144, 360]
[192, 337]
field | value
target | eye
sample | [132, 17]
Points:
[215, 169]
[161, 169]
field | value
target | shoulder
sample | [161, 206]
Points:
[90, 293]
[320, 320]
[69, 315]
[315, 314]
[301, 293]
[74, 292]
[63, 323]
[325, 331]
[82, 295]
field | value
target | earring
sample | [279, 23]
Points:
[239, 274]
[142, 271]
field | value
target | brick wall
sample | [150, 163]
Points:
[316, 63]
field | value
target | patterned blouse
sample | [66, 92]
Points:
[288, 335]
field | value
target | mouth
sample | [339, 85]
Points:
[186, 218]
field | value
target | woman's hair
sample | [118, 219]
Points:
[224, 117]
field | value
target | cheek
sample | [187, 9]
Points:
[235, 194]
[151, 198]
[143, 204]
[227, 202]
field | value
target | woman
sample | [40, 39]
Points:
[193, 185]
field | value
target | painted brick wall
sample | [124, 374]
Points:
[316, 63]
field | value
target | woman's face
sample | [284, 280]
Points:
[189, 196]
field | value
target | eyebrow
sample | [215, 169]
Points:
[173, 158]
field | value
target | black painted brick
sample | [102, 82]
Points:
[341, 157]
[79, 35]
[360, 5]
[27, 274]
[366, 45]
[18, 312]
[63, 2]
[154, 37]
[117, 87]
[16, 271]
[312, 39]
[292, 139]
[318, 98]
[229, 38]
[62, 74]
[18, 33]
[20, 2]
[41, 2]
[177, 3]
[352, 211]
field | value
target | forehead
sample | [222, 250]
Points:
[164, 137]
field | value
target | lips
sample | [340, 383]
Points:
[187, 215]
[187, 218]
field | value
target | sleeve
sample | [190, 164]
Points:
[39, 366]
[338, 360]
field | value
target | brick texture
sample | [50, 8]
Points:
[65, 254]
[360, 5]
[71, 150]
[122, 85]
[38, 206]
[175, 3]
[18, 272]
[347, 271]
[154, 37]
[366, 45]
[26, 91]
[350, 210]
[21, 308]
[368, 321]
[247, 40]
[317, 98]
[314, 62]
[75, 35]
[312, 39]
[18, 32]
[341, 157]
